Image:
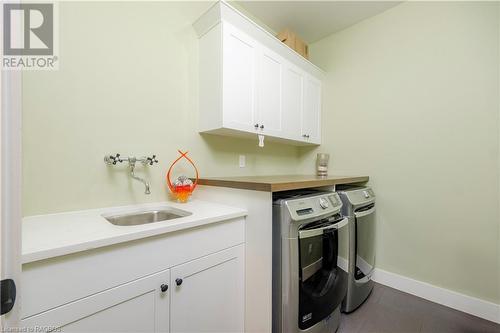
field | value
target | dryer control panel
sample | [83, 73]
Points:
[360, 196]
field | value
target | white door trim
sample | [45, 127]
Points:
[474, 306]
[11, 182]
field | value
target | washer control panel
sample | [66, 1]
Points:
[314, 206]
[323, 203]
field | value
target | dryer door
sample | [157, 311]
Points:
[365, 242]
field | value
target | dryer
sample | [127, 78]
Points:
[359, 207]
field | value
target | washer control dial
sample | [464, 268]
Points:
[323, 203]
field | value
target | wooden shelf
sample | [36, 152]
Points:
[280, 183]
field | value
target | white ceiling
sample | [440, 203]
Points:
[314, 20]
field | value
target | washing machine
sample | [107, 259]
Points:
[359, 207]
[310, 261]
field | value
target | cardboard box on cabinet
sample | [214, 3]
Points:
[294, 42]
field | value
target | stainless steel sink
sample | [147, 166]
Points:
[145, 216]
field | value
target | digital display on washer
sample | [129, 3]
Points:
[304, 211]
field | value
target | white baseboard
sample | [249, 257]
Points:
[474, 306]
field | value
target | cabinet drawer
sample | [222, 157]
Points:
[48, 284]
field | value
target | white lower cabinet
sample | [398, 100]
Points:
[207, 292]
[137, 306]
[198, 288]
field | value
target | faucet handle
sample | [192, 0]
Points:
[110, 159]
[151, 160]
[116, 159]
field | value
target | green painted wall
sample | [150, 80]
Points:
[411, 98]
[419, 83]
[127, 83]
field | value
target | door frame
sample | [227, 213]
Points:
[10, 187]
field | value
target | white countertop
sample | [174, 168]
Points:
[52, 235]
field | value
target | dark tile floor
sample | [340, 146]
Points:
[388, 310]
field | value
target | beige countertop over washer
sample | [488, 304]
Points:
[281, 182]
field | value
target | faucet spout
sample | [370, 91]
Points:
[132, 174]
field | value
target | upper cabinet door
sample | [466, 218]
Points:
[293, 101]
[208, 294]
[271, 87]
[311, 113]
[240, 54]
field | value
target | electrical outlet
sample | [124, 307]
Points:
[243, 161]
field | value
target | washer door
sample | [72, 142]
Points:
[323, 277]
[365, 242]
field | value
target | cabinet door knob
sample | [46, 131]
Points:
[164, 287]
[178, 281]
[261, 126]
[256, 125]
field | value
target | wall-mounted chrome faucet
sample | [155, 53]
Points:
[113, 160]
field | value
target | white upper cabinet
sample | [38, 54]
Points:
[311, 110]
[293, 101]
[239, 80]
[251, 83]
[270, 95]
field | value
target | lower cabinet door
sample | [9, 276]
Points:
[138, 306]
[208, 293]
